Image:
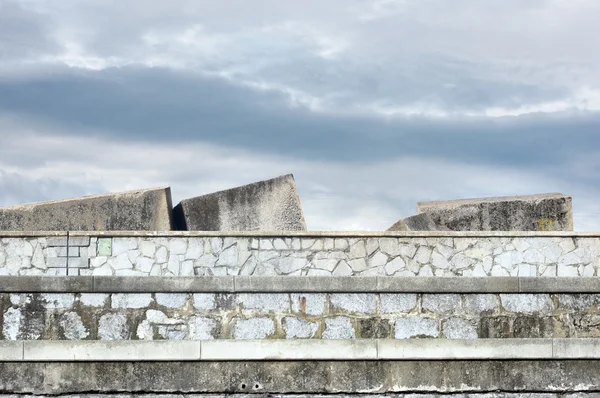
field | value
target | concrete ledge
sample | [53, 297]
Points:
[295, 350]
[295, 284]
[306, 234]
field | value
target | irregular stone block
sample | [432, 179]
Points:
[543, 212]
[142, 210]
[419, 222]
[271, 205]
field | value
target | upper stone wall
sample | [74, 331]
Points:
[142, 210]
[320, 255]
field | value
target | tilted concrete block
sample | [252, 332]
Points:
[543, 212]
[142, 210]
[419, 222]
[271, 205]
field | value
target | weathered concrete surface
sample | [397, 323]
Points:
[141, 210]
[271, 205]
[55, 378]
[419, 222]
[543, 212]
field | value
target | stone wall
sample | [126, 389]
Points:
[207, 316]
[387, 255]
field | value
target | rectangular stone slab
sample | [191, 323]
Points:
[419, 222]
[543, 212]
[271, 205]
[141, 210]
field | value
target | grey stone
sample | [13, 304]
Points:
[310, 304]
[171, 300]
[527, 303]
[113, 327]
[271, 205]
[478, 303]
[355, 302]
[419, 222]
[264, 302]
[459, 328]
[204, 301]
[135, 300]
[543, 212]
[253, 328]
[202, 328]
[440, 303]
[72, 326]
[339, 328]
[395, 303]
[141, 210]
[412, 326]
[299, 328]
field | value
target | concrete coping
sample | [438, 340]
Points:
[290, 350]
[296, 284]
[305, 234]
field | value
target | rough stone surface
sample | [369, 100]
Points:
[255, 328]
[419, 222]
[543, 212]
[339, 328]
[385, 256]
[411, 327]
[271, 205]
[142, 210]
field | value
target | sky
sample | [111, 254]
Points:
[373, 105]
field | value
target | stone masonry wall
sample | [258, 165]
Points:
[326, 256]
[205, 316]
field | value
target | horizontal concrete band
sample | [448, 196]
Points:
[294, 350]
[305, 234]
[296, 284]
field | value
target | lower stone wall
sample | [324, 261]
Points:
[205, 316]
[420, 395]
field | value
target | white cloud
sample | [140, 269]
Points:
[335, 195]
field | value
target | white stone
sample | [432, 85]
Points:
[567, 244]
[338, 328]
[389, 246]
[58, 300]
[38, 259]
[299, 328]
[478, 270]
[266, 244]
[265, 302]
[355, 302]
[171, 300]
[72, 326]
[113, 327]
[317, 272]
[279, 244]
[177, 246]
[377, 260]
[11, 328]
[93, 299]
[131, 300]
[394, 266]
[358, 264]
[397, 302]
[412, 326]
[372, 245]
[564, 270]
[460, 261]
[173, 264]
[439, 303]
[228, 257]
[325, 264]
[342, 269]
[207, 260]
[341, 244]
[520, 244]
[426, 271]
[288, 265]
[527, 303]
[533, 256]
[122, 261]
[162, 255]
[459, 328]
[201, 328]
[195, 249]
[253, 328]
[328, 244]
[148, 248]
[310, 303]
[204, 301]
[439, 261]
[423, 255]
[104, 270]
[358, 250]
[144, 264]
[123, 245]
[477, 303]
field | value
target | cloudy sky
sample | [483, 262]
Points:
[373, 105]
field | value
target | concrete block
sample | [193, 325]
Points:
[229, 350]
[142, 210]
[48, 350]
[11, 351]
[271, 205]
[543, 212]
[419, 222]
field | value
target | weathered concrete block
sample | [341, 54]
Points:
[419, 222]
[142, 210]
[543, 212]
[271, 205]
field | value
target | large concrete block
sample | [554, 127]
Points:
[543, 212]
[419, 222]
[271, 205]
[142, 210]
